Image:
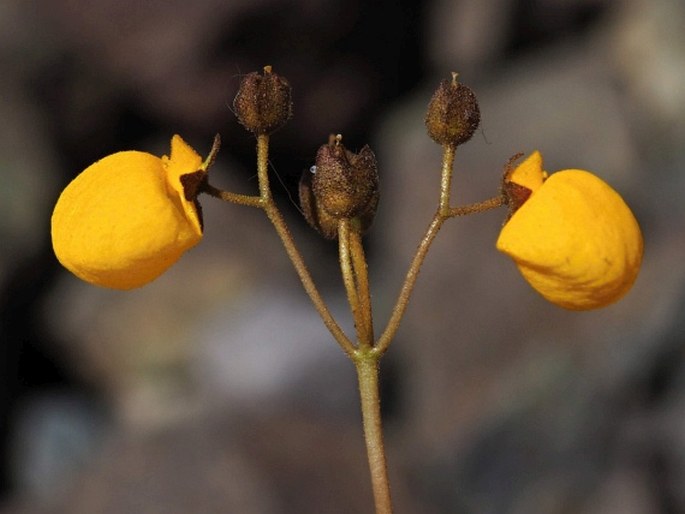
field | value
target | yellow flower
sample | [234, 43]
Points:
[574, 239]
[125, 219]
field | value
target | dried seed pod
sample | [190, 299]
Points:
[366, 217]
[345, 184]
[316, 217]
[453, 113]
[263, 103]
[319, 219]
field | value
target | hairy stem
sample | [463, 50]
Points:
[276, 218]
[361, 274]
[413, 273]
[448, 152]
[443, 213]
[227, 196]
[348, 277]
[409, 283]
[367, 374]
[263, 168]
[473, 208]
[365, 355]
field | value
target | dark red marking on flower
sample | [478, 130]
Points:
[193, 184]
[516, 196]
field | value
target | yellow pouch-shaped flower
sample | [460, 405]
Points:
[574, 239]
[125, 219]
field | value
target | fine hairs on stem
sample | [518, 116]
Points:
[339, 199]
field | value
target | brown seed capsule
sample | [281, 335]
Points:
[316, 217]
[366, 217]
[453, 113]
[319, 219]
[263, 102]
[345, 183]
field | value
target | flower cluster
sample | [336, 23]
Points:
[128, 217]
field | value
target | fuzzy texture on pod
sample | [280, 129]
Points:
[320, 220]
[125, 219]
[345, 184]
[316, 217]
[263, 103]
[574, 239]
[453, 114]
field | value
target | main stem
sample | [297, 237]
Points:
[367, 374]
[366, 360]
[366, 354]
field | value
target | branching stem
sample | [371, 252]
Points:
[367, 352]
[276, 218]
[409, 283]
[439, 218]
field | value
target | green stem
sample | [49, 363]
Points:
[367, 374]
[448, 152]
[348, 276]
[473, 208]
[276, 218]
[409, 283]
[439, 218]
[366, 355]
[227, 196]
[361, 274]
[263, 168]
[443, 213]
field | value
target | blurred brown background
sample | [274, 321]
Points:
[216, 388]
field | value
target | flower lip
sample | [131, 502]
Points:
[528, 173]
[183, 160]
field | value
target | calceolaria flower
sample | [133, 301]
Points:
[125, 219]
[572, 236]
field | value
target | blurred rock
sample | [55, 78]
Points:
[55, 436]
[648, 49]
[276, 464]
